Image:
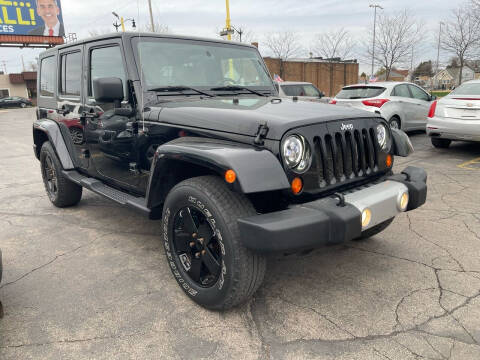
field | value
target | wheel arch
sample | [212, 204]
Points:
[48, 130]
[257, 170]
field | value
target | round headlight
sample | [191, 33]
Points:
[382, 136]
[293, 150]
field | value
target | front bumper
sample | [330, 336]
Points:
[325, 221]
[454, 129]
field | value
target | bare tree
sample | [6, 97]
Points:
[333, 44]
[461, 36]
[395, 37]
[97, 32]
[283, 45]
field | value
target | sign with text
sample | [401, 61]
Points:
[34, 17]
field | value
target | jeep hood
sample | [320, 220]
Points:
[244, 117]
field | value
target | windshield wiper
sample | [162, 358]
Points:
[179, 88]
[236, 88]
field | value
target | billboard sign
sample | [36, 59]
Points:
[33, 17]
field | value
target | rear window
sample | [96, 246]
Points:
[360, 92]
[467, 89]
[300, 90]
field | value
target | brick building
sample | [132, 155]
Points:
[23, 84]
[328, 76]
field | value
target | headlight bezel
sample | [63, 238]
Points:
[303, 163]
[386, 144]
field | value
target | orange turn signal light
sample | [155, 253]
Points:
[297, 185]
[389, 160]
[230, 176]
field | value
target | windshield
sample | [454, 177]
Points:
[470, 89]
[360, 92]
[200, 64]
[300, 90]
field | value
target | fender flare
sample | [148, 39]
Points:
[52, 130]
[402, 146]
[257, 169]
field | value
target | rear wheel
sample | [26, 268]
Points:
[441, 143]
[203, 246]
[61, 191]
[23, 105]
[395, 122]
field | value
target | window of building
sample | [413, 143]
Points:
[47, 76]
[71, 74]
[4, 93]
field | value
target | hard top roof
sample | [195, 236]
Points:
[143, 34]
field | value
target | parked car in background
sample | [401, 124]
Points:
[456, 116]
[15, 101]
[301, 90]
[404, 105]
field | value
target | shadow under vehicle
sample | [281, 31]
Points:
[192, 131]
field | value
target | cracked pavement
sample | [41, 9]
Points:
[92, 281]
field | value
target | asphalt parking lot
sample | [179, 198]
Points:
[92, 281]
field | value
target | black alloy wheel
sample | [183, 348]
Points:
[77, 135]
[196, 247]
[50, 176]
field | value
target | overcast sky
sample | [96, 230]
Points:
[205, 17]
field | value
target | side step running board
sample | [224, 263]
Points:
[111, 193]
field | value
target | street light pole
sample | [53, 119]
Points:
[227, 21]
[375, 6]
[438, 51]
[152, 24]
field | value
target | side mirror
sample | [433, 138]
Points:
[108, 90]
[402, 146]
[433, 97]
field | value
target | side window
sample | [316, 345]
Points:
[419, 93]
[71, 74]
[47, 76]
[106, 62]
[402, 91]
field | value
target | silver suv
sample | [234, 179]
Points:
[404, 105]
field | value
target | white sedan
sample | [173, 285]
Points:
[456, 116]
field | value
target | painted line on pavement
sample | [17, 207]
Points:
[471, 165]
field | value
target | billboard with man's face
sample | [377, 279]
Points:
[33, 17]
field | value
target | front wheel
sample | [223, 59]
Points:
[202, 243]
[61, 191]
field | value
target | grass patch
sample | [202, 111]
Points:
[440, 94]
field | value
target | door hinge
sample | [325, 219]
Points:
[261, 134]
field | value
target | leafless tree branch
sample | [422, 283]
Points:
[396, 35]
[333, 44]
[462, 35]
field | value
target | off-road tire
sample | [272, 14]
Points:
[68, 193]
[441, 143]
[395, 120]
[377, 229]
[242, 270]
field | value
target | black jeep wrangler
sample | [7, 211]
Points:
[192, 131]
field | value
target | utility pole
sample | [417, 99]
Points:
[152, 24]
[228, 25]
[23, 64]
[4, 63]
[375, 6]
[438, 51]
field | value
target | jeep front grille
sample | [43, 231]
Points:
[345, 155]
